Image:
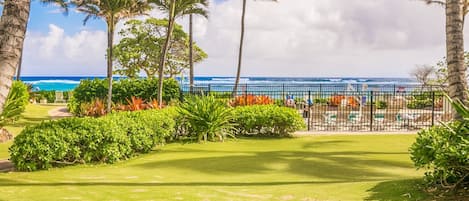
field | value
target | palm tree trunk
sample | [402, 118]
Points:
[164, 53]
[110, 40]
[191, 55]
[455, 51]
[13, 25]
[240, 56]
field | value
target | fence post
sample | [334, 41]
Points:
[209, 89]
[371, 110]
[309, 110]
[283, 93]
[246, 93]
[433, 108]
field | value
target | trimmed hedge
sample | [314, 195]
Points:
[115, 137]
[270, 120]
[90, 90]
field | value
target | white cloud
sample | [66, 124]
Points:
[56, 53]
[289, 38]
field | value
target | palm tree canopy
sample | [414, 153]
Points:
[111, 10]
[183, 7]
[443, 3]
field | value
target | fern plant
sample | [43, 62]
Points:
[207, 117]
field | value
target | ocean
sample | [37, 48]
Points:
[69, 83]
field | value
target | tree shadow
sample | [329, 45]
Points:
[350, 166]
[12, 183]
[398, 190]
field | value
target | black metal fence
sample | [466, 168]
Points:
[346, 107]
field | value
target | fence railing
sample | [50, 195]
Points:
[342, 107]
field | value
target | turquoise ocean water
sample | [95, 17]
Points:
[69, 83]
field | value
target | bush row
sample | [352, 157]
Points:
[122, 90]
[269, 120]
[121, 135]
[205, 117]
[108, 139]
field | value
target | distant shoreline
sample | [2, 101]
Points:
[67, 83]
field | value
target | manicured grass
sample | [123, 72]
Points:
[375, 167]
[33, 115]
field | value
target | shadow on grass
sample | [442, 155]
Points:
[12, 183]
[399, 190]
[347, 166]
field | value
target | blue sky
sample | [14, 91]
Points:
[42, 15]
[298, 38]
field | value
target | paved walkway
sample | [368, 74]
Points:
[59, 112]
[6, 166]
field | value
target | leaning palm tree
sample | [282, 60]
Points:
[111, 11]
[456, 11]
[175, 9]
[13, 24]
[241, 43]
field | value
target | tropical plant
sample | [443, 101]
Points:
[240, 54]
[135, 104]
[208, 118]
[175, 9]
[111, 11]
[252, 100]
[16, 103]
[96, 108]
[456, 11]
[443, 151]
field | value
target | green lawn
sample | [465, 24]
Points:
[375, 167]
[33, 115]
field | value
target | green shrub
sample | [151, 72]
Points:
[206, 117]
[381, 105]
[15, 104]
[89, 90]
[267, 120]
[50, 96]
[90, 140]
[145, 129]
[444, 152]
[321, 101]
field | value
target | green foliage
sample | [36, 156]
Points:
[140, 49]
[206, 117]
[90, 140]
[421, 100]
[15, 104]
[322, 101]
[48, 95]
[444, 151]
[381, 105]
[123, 90]
[267, 120]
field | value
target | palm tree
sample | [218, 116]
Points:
[241, 43]
[191, 55]
[175, 9]
[13, 25]
[456, 11]
[111, 11]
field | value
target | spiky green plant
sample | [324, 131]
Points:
[15, 104]
[207, 117]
